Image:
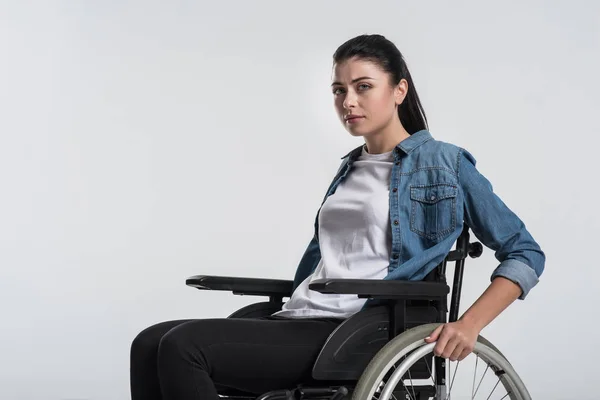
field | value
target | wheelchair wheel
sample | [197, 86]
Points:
[405, 368]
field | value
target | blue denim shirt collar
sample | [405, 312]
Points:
[407, 145]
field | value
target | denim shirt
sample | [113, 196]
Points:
[435, 188]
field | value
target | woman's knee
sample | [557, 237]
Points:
[184, 343]
[146, 343]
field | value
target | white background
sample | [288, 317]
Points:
[144, 142]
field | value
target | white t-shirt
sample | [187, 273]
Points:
[354, 237]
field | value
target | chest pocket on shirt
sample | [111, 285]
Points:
[433, 210]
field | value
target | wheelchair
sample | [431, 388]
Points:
[380, 352]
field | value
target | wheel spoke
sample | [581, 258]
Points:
[432, 376]
[408, 392]
[481, 380]
[452, 381]
[412, 385]
[494, 389]
[474, 376]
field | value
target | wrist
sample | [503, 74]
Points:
[472, 321]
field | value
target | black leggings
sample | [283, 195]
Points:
[192, 359]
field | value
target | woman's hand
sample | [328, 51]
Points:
[455, 340]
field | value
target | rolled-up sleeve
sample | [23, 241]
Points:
[521, 259]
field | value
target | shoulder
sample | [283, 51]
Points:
[458, 158]
[450, 154]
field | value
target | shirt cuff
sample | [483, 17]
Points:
[519, 273]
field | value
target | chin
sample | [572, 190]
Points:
[357, 131]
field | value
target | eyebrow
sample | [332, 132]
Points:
[353, 81]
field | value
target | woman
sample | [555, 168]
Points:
[393, 211]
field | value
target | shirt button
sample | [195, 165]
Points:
[394, 190]
[396, 222]
[397, 162]
[432, 197]
[395, 256]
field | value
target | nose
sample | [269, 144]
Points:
[349, 100]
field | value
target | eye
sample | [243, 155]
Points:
[364, 86]
[337, 91]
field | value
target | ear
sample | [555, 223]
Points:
[400, 91]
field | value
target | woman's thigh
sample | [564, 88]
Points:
[248, 354]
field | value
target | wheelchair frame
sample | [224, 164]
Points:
[397, 307]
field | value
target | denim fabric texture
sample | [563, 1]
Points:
[435, 189]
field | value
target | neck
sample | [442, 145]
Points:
[387, 138]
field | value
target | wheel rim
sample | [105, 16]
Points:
[496, 362]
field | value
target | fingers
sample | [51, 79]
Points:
[434, 335]
[457, 352]
[452, 344]
[466, 351]
[442, 343]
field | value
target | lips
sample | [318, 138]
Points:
[353, 118]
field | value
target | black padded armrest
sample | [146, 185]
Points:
[374, 288]
[243, 286]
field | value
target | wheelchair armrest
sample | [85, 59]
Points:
[242, 286]
[382, 289]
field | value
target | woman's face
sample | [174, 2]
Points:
[364, 100]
